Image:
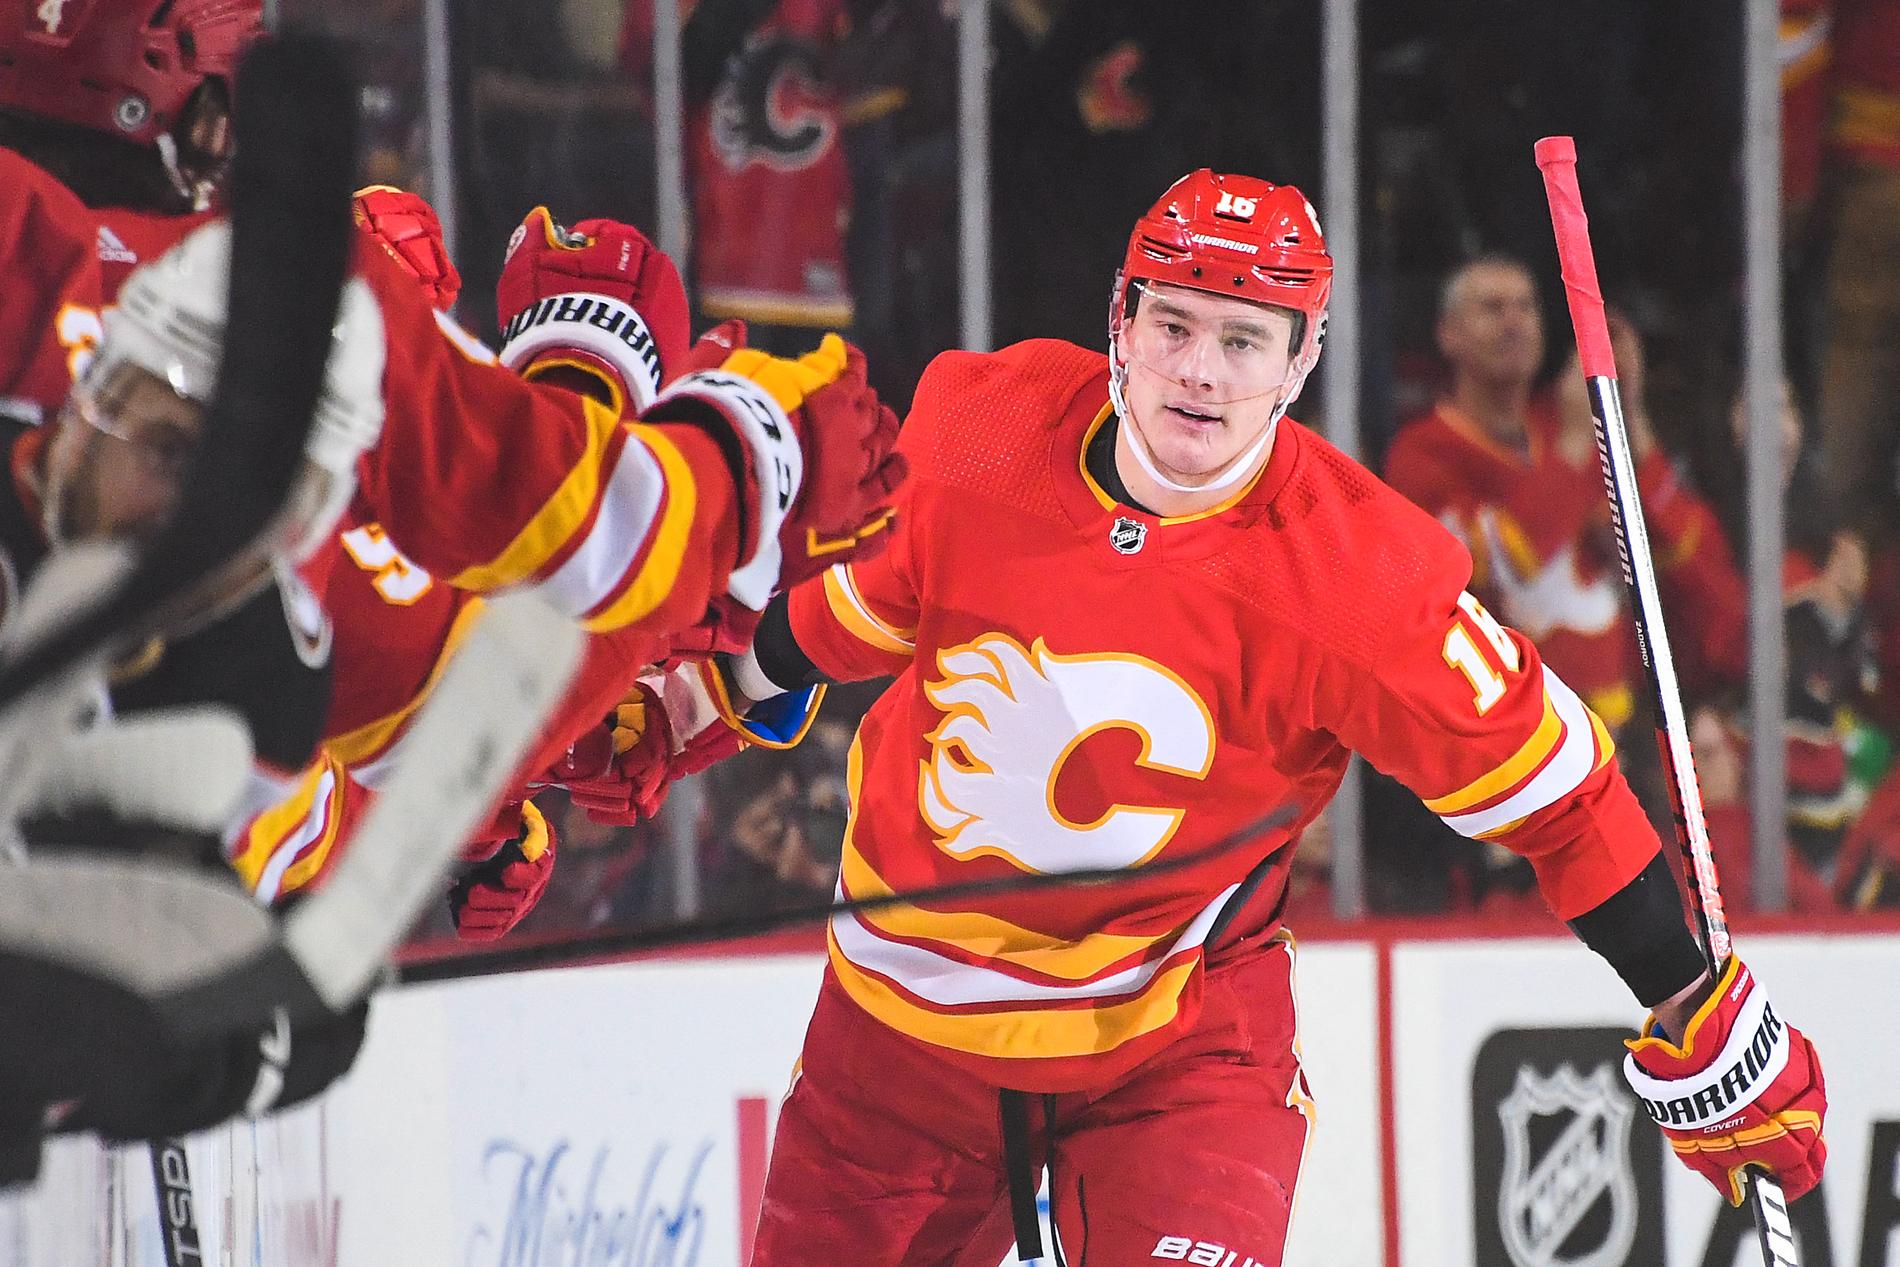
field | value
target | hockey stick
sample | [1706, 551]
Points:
[1557, 160]
[289, 197]
[289, 191]
[613, 944]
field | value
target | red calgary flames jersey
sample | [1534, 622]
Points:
[1081, 685]
[49, 318]
[487, 482]
[1537, 527]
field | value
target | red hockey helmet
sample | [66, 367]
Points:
[1238, 236]
[123, 67]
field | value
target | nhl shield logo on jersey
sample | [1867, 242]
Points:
[1127, 535]
[1014, 717]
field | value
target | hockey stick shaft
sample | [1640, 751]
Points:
[1557, 160]
[296, 142]
[607, 945]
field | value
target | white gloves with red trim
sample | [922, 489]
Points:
[1743, 1089]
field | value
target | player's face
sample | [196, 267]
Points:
[1205, 374]
[116, 465]
[1491, 327]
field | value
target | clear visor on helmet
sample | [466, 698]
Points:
[1240, 350]
[157, 426]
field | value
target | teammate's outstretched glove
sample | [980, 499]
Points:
[623, 780]
[1743, 1089]
[406, 226]
[599, 298]
[817, 467]
[495, 893]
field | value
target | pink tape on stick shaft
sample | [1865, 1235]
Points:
[1557, 159]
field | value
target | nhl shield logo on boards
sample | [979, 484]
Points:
[1579, 1164]
[1127, 535]
[1563, 1171]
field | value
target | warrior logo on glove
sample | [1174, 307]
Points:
[1744, 1089]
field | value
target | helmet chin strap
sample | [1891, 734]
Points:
[197, 192]
[1233, 472]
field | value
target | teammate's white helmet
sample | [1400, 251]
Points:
[170, 320]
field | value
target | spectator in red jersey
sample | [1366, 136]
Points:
[1867, 876]
[1836, 754]
[771, 192]
[1488, 461]
[1514, 471]
[1721, 760]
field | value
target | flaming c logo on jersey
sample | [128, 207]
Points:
[1012, 719]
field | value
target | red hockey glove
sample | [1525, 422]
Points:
[404, 225]
[493, 895]
[1744, 1089]
[648, 752]
[819, 469]
[599, 298]
[629, 784]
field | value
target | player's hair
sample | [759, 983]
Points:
[1449, 288]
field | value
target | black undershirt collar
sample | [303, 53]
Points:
[1100, 460]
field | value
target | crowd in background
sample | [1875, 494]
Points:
[821, 160]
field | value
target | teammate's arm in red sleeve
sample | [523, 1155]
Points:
[491, 482]
[291, 843]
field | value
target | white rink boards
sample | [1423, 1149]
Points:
[621, 1115]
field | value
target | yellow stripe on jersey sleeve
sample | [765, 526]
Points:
[308, 867]
[1578, 754]
[559, 517]
[661, 571]
[1527, 758]
[851, 611]
[1020, 1034]
[1606, 746]
[270, 828]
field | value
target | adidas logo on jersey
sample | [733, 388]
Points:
[113, 250]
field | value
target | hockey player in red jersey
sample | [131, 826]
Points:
[114, 134]
[1131, 607]
[552, 490]
[397, 625]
